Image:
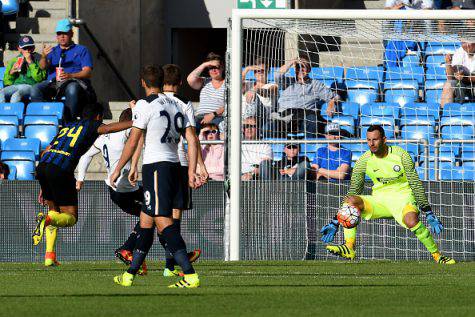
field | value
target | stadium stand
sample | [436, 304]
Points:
[24, 162]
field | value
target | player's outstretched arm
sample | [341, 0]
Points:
[419, 193]
[127, 153]
[114, 127]
[83, 164]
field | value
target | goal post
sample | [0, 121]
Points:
[361, 24]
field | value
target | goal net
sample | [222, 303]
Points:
[296, 73]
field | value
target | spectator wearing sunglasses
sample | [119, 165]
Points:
[256, 159]
[333, 162]
[292, 166]
[302, 98]
[211, 108]
[22, 72]
[213, 154]
[69, 69]
[260, 97]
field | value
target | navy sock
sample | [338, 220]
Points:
[129, 244]
[177, 247]
[169, 260]
[143, 245]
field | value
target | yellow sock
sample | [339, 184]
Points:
[51, 233]
[350, 243]
[61, 219]
[350, 237]
[436, 256]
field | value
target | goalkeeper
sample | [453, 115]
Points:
[397, 193]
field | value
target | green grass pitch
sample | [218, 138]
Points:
[266, 288]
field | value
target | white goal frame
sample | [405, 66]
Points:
[233, 221]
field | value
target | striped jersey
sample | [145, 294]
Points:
[211, 99]
[391, 175]
[72, 141]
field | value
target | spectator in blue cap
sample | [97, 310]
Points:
[22, 72]
[69, 69]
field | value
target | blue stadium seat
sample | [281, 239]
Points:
[413, 60]
[380, 109]
[457, 132]
[18, 156]
[417, 132]
[346, 123]
[2, 72]
[441, 48]
[457, 173]
[420, 170]
[12, 109]
[45, 133]
[457, 109]
[387, 123]
[401, 96]
[17, 144]
[459, 120]
[356, 147]
[350, 109]
[398, 74]
[422, 109]
[8, 131]
[434, 61]
[417, 120]
[436, 73]
[365, 73]
[362, 92]
[12, 175]
[9, 120]
[467, 156]
[334, 74]
[25, 170]
[356, 155]
[46, 109]
[40, 120]
[412, 148]
[433, 90]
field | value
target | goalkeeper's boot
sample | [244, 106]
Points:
[125, 279]
[39, 229]
[124, 255]
[445, 260]
[169, 273]
[342, 250]
[194, 255]
[143, 269]
[50, 259]
[188, 281]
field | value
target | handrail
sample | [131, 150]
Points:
[437, 144]
[128, 90]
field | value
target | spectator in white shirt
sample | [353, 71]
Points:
[256, 159]
[409, 4]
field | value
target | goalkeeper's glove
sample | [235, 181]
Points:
[328, 231]
[434, 223]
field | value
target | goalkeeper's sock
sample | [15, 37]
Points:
[51, 233]
[60, 219]
[350, 237]
[424, 236]
[436, 256]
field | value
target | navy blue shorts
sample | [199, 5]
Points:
[130, 202]
[163, 190]
[57, 185]
[187, 198]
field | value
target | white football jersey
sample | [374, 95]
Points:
[190, 116]
[162, 120]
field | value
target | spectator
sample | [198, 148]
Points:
[333, 162]
[292, 166]
[301, 101]
[211, 108]
[409, 4]
[260, 97]
[463, 4]
[256, 159]
[4, 171]
[69, 69]
[460, 74]
[22, 72]
[213, 154]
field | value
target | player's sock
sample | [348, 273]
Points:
[169, 259]
[350, 237]
[143, 245]
[129, 244]
[60, 219]
[51, 233]
[424, 236]
[177, 247]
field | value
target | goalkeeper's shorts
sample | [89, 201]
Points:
[385, 206]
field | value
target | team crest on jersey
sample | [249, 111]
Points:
[397, 168]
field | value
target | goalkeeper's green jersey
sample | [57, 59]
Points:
[391, 175]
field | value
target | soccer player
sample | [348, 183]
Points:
[162, 121]
[126, 196]
[397, 193]
[172, 81]
[55, 173]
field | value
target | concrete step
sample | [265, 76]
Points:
[35, 25]
[45, 38]
[375, 4]
[48, 9]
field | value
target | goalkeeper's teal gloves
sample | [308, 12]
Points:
[434, 223]
[328, 231]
